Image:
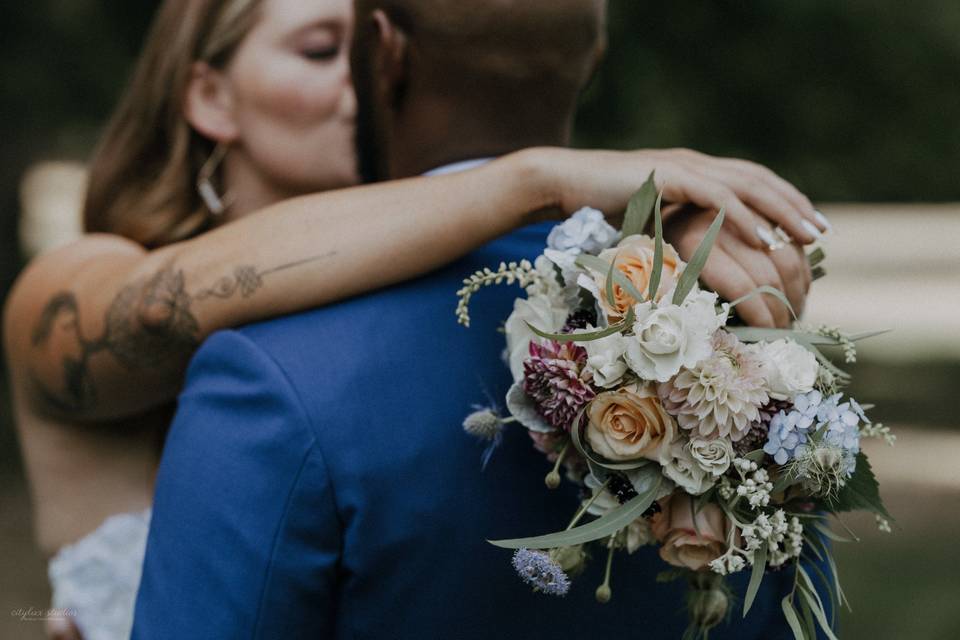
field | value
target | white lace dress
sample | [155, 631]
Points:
[97, 577]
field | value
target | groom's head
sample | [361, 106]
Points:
[445, 80]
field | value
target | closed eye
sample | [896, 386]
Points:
[321, 54]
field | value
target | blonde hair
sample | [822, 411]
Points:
[144, 170]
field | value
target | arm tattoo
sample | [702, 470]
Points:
[150, 323]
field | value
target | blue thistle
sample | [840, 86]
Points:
[540, 571]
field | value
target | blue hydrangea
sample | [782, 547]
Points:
[836, 424]
[539, 570]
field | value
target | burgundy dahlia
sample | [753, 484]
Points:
[553, 376]
[756, 436]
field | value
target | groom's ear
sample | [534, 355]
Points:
[390, 51]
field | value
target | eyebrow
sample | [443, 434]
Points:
[332, 24]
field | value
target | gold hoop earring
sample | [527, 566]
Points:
[208, 193]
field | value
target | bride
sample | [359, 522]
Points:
[221, 194]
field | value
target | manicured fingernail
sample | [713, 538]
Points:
[766, 237]
[822, 219]
[809, 228]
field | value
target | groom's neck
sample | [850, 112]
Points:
[433, 135]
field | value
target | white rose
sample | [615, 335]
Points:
[605, 359]
[790, 369]
[669, 337]
[680, 466]
[586, 231]
[713, 456]
[540, 311]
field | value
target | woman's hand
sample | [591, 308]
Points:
[734, 269]
[755, 198]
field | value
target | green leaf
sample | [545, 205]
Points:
[759, 334]
[808, 584]
[830, 533]
[811, 544]
[756, 577]
[834, 596]
[690, 274]
[867, 334]
[836, 580]
[639, 208]
[657, 251]
[809, 626]
[862, 491]
[757, 455]
[609, 281]
[584, 337]
[773, 291]
[817, 607]
[817, 272]
[791, 615]
[606, 525]
[593, 262]
[816, 256]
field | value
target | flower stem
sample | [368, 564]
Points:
[583, 509]
[563, 454]
[603, 591]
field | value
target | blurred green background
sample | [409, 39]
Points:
[854, 101]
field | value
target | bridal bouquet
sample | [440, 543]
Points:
[728, 447]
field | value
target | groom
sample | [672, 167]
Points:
[316, 482]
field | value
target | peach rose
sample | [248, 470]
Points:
[687, 545]
[633, 257]
[629, 423]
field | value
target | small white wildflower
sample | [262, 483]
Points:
[883, 525]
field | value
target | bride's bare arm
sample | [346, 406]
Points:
[103, 329]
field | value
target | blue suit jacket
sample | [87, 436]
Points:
[316, 483]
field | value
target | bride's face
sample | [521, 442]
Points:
[293, 104]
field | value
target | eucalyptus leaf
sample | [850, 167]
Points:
[809, 626]
[657, 251]
[818, 612]
[760, 334]
[823, 360]
[639, 208]
[692, 271]
[772, 291]
[834, 596]
[868, 334]
[791, 615]
[756, 577]
[608, 524]
[609, 282]
[594, 263]
[807, 582]
[836, 580]
[812, 547]
[588, 336]
[830, 533]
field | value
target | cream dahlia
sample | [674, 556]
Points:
[721, 396]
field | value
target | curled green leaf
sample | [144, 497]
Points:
[608, 524]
